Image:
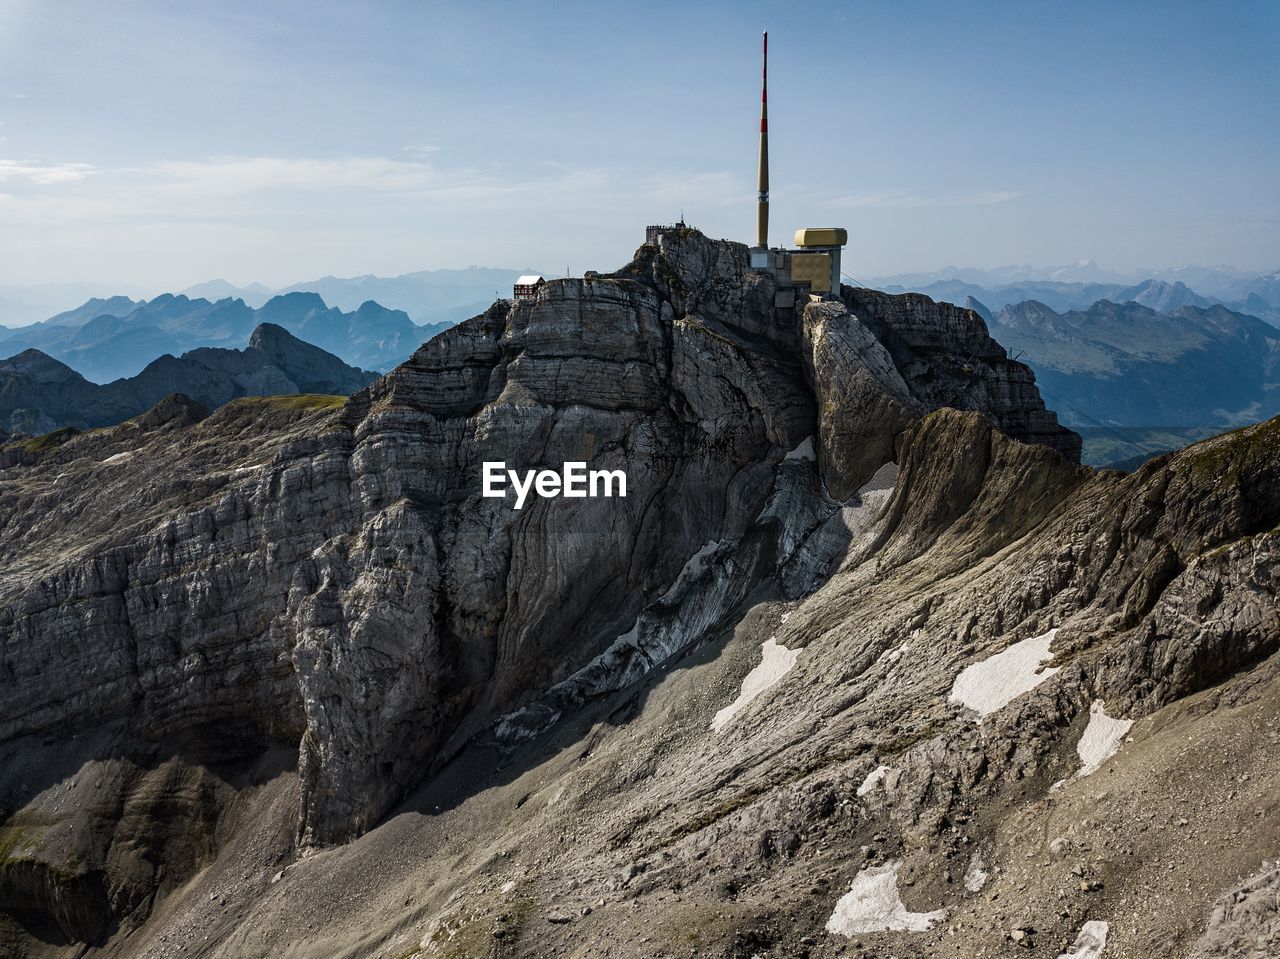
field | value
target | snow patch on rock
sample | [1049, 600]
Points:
[1101, 739]
[1089, 943]
[776, 661]
[975, 877]
[804, 451]
[873, 777]
[873, 904]
[858, 519]
[993, 683]
[118, 458]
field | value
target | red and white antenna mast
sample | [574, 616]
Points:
[762, 200]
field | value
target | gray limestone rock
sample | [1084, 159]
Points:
[327, 577]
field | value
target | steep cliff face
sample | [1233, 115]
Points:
[290, 573]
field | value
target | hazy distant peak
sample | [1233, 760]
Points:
[221, 289]
[269, 337]
[294, 304]
[374, 308]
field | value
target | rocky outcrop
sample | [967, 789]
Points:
[643, 822]
[38, 394]
[331, 579]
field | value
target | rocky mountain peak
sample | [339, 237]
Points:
[40, 367]
[737, 695]
[675, 369]
[273, 339]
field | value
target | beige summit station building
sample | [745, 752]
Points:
[815, 263]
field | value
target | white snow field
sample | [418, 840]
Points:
[775, 663]
[987, 686]
[872, 904]
[1101, 739]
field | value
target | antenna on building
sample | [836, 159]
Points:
[814, 267]
[762, 199]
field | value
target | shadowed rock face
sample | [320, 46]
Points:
[332, 578]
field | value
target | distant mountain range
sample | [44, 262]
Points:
[433, 297]
[39, 394]
[1128, 447]
[23, 305]
[1125, 364]
[429, 297]
[1079, 286]
[1138, 363]
[1220, 282]
[1188, 348]
[108, 339]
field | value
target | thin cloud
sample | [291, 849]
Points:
[232, 175]
[904, 198]
[44, 174]
[266, 189]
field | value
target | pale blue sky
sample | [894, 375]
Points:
[161, 144]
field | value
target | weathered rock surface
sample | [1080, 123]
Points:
[506, 715]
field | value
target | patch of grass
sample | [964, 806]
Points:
[27, 830]
[301, 402]
[695, 926]
[715, 814]
[14, 837]
[900, 744]
[1238, 453]
[708, 332]
[476, 934]
[49, 441]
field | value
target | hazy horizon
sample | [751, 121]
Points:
[150, 148]
[74, 293]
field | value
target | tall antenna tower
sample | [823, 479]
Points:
[762, 200]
